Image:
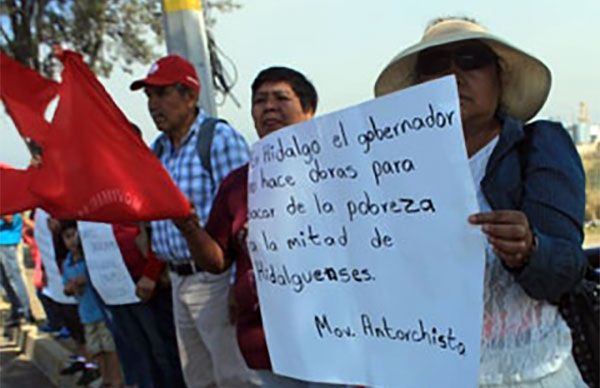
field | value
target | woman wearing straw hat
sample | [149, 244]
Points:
[530, 189]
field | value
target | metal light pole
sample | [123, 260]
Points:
[186, 36]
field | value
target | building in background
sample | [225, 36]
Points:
[583, 131]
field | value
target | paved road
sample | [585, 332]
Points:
[16, 371]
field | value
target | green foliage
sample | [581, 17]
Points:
[222, 6]
[106, 32]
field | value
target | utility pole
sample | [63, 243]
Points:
[185, 33]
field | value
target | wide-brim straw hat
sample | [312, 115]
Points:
[525, 79]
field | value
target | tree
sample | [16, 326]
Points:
[106, 32]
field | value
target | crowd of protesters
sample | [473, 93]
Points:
[198, 323]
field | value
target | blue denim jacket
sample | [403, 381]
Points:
[536, 169]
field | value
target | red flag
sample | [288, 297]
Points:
[26, 95]
[95, 167]
[14, 190]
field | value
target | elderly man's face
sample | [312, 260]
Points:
[170, 108]
[477, 75]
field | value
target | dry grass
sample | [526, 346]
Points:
[592, 237]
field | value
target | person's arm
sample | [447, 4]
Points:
[209, 247]
[75, 286]
[79, 284]
[69, 289]
[205, 251]
[142, 240]
[80, 281]
[36, 160]
[146, 285]
[67, 284]
[28, 227]
[541, 245]
[229, 150]
[154, 267]
[554, 201]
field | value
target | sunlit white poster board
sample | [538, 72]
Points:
[367, 270]
[105, 265]
[43, 237]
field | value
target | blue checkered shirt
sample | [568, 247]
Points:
[229, 151]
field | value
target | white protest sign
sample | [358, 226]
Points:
[367, 270]
[43, 238]
[105, 265]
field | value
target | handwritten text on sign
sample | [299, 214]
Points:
[105, 264]
[367, 270]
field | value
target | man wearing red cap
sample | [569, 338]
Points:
[208, 348]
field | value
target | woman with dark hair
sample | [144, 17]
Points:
[530, 188]
[280, 97]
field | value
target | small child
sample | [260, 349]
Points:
[99, 341]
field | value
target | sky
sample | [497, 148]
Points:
[341, 46]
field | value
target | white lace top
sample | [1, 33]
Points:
[523, 339]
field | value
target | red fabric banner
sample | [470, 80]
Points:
[95, 166]
[14, 190]
[26, 95]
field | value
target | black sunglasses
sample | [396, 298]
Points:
[468, 57]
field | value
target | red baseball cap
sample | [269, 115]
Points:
[170, 70]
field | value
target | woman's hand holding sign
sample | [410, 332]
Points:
[509, 233]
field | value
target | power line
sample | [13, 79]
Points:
[223, 80]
